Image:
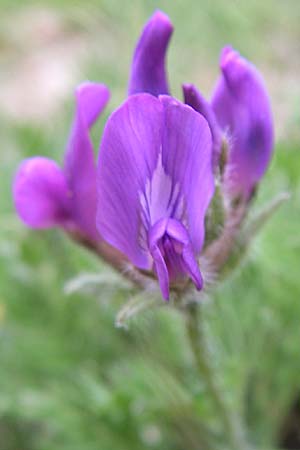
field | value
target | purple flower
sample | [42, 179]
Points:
[154, 186]
[47, 196]
[148, 72]
[242, 107]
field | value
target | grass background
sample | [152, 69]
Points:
[68, 378]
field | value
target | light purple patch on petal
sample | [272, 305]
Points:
[80, 168]
[41, 194]
[193, 98]
[243, 110]
[148, 72]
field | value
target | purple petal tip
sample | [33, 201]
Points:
[163, 18]
[91, 98]
[233, 65]
[148, 73]
[226, 53]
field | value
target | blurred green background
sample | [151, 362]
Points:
[69, 379]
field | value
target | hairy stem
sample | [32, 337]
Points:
[198, 342]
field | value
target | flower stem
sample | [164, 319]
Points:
[231, 427]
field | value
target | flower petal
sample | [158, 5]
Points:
[148, 73]
[80, 167]
[160, 266]
[155, 163]
[186, 156]
[41, 194]
[242, 107]
[193, 98]
[178, 233]
[128, 156]
[173, 257]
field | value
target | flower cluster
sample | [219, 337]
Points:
[174, 178]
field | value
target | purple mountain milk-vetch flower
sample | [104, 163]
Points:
[242, 107]
[148, 72]
[239, 111]
[155, 183]
[46, 195]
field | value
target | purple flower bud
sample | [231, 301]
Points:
[193, 98]
[41, 193]
[242, 107]
[47, 196]
[155, 183]
[148, 73]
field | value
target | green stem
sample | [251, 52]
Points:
[198, 342]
